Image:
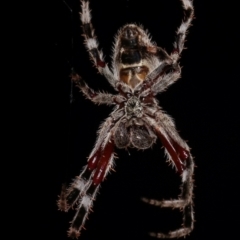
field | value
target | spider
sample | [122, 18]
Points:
[140, 70]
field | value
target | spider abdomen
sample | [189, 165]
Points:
[128, 134]
[141, 138]
[121, 136]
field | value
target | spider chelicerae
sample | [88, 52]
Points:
[140, 70]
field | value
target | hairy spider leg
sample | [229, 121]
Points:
[159, 79]
[99, 164]
[182, 30]
[161, 82]
[84, 188]
[179, 155]
[185, 203]
[91, 43]
[96, 97]
[82, 181]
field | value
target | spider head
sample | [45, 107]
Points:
[131, 57]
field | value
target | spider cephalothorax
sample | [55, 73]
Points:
[140, 70]
[135, 56]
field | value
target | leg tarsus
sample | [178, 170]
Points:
[73, 233]
[61, 202]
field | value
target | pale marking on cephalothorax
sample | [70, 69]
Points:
[150, 65]
[123, 66]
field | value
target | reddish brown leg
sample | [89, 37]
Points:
[177, 153]
[83, 190]
[183, 161]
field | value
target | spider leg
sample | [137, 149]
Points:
[163, 82]
[153, 78]
[182, 30]
[100, 165]
[96, 97]
[84, 187]
[169, 70]
[91, 43]
[161, 77]
[179, 154]
[68, 197]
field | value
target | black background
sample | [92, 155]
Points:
[204, 104]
